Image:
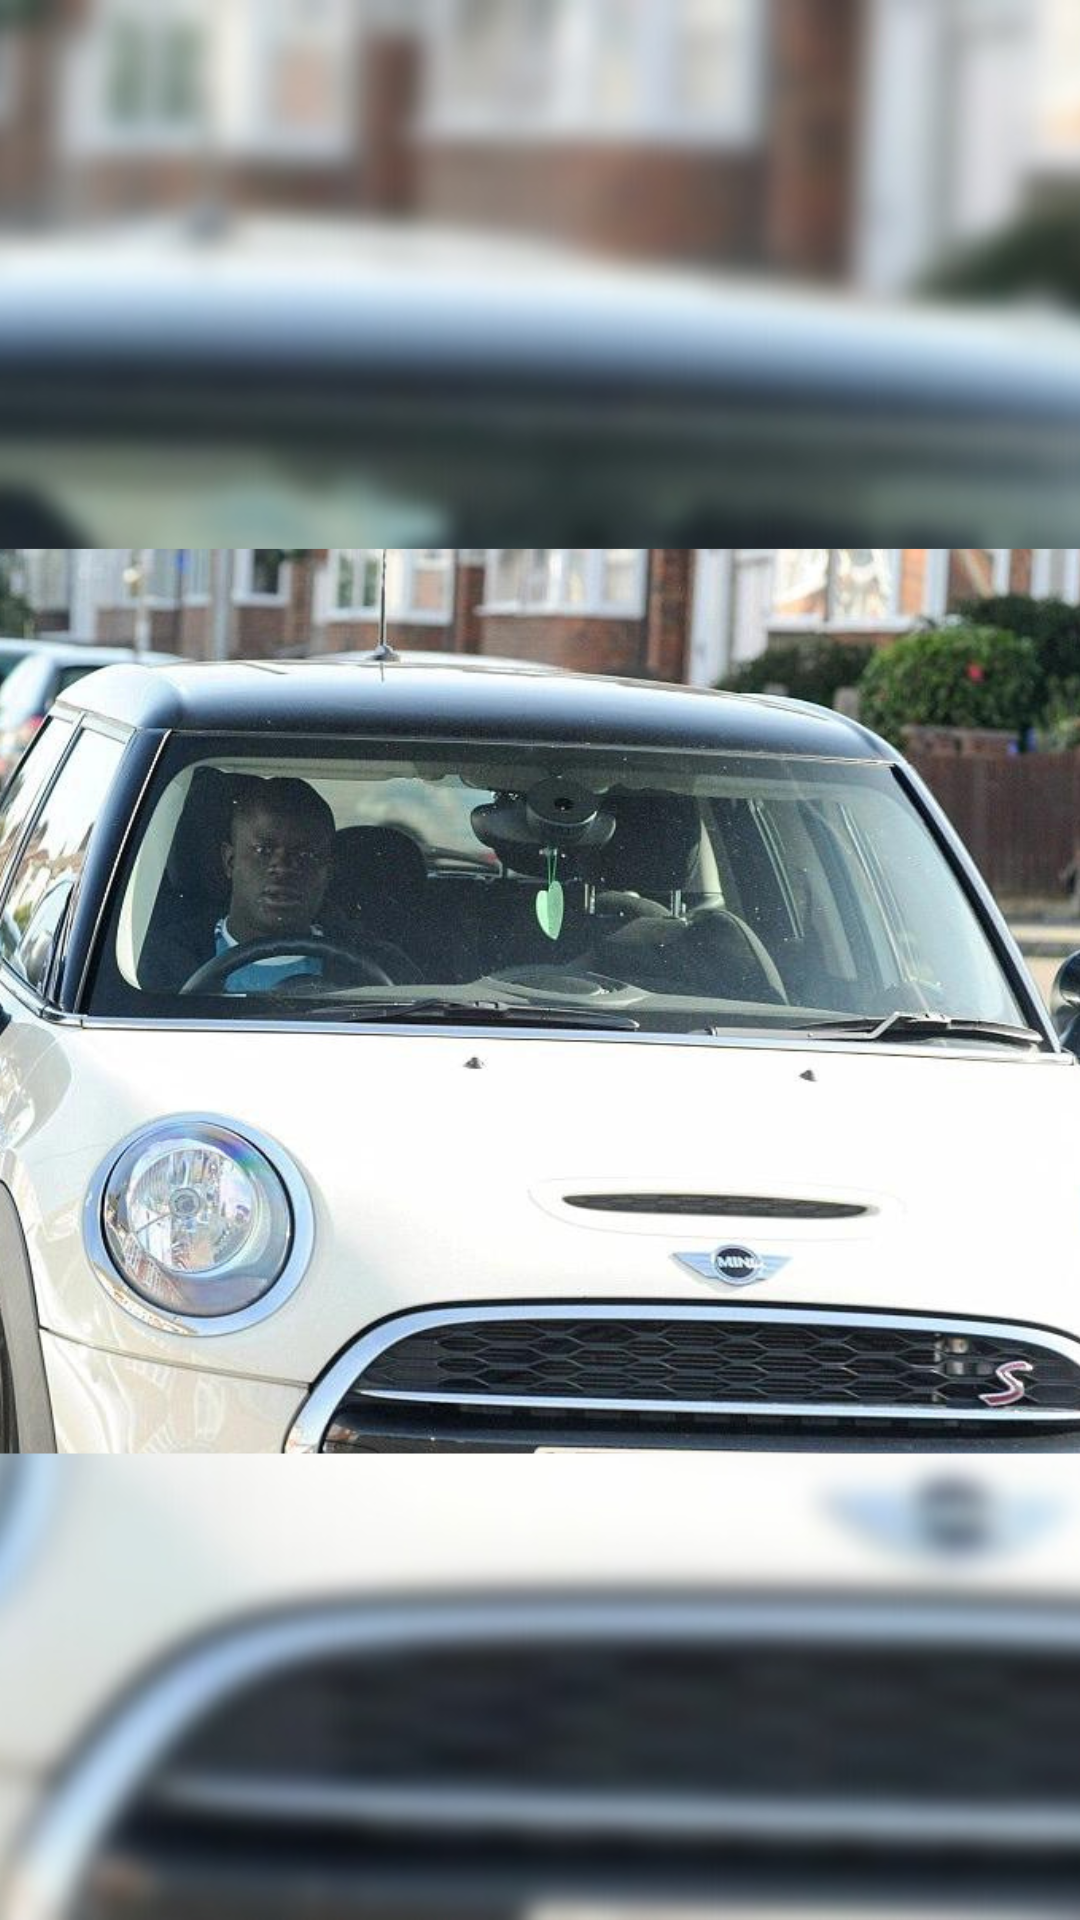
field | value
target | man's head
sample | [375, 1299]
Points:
[277, 860]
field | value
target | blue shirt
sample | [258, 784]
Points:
[260, 975]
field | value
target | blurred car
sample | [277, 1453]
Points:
[419, 1057]
[38, 677]
[170, 386]
[11, 652]
[854, 1689]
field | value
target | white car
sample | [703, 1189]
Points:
[798, 1686]
[417, 1057]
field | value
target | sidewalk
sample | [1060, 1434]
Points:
[1046, 939]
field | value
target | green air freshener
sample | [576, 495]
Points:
[549, 904]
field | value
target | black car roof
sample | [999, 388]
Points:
[361, 303]
[462, 702]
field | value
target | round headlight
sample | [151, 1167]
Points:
[197, 1221]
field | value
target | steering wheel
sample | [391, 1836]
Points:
[214, 972]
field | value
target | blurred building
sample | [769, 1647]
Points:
[668, 613]
[829, 138]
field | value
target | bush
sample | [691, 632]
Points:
[1052, 625]
[957, 676]
[812, 670]
[1035, 258]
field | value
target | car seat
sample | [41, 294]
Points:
[380, 894]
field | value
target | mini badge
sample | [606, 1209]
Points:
[735, 1266]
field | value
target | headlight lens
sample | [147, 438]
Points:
[196, 1220]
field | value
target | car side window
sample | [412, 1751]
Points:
[50, 863]
[27, 784]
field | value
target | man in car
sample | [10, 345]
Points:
[277, 862]
[266, 880]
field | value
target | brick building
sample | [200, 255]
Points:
[667, 613]
[830, 138]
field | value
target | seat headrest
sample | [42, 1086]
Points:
[377, 859]
[654, 849]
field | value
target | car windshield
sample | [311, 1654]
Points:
[644, 889]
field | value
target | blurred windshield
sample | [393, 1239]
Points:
[678, 890]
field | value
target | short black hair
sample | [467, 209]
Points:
[285, 799]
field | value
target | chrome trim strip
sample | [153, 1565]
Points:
[611, 1814]
[93, 1791]
[310, 1426]
[999, 1055]
[301, 1247]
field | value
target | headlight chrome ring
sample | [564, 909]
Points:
[199, 1224]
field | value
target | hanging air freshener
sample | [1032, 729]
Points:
[549, 902]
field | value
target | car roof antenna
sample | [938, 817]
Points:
[384, 651]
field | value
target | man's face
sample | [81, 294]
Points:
[278, 869]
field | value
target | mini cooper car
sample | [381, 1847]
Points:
[418, 1057]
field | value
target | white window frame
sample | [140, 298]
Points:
[892, 622]
[401, 574]
[572, 110]
[593, 607]
[91, 125]
[244, 593]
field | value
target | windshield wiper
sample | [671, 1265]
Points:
[472, 1013]
[928, 1026]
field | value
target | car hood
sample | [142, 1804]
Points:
[129, 1565]
[440, 1168]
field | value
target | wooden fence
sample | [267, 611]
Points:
[1018, 815]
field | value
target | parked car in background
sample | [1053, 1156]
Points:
[11, 652]
[38, 677]
[404, 1056]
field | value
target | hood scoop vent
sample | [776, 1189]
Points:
[734, 1206]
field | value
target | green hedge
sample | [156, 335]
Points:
[956, 676]
[814, 670]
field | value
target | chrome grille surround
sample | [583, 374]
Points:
[344, 1381]
[129, 1757]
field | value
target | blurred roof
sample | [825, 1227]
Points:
[345, 296]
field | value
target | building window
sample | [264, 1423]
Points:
[419, 583]
[176, 574]
[308, 77]
[261, 573]
[48, 578]
[847, 587]
[654, 69]
[606, 582]
[713, 59]
[154, 81]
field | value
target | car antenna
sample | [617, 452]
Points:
[384, 651]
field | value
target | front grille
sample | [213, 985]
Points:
[732, 1206]
[486, 1753]
[709, 1359]
[749, 1720]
